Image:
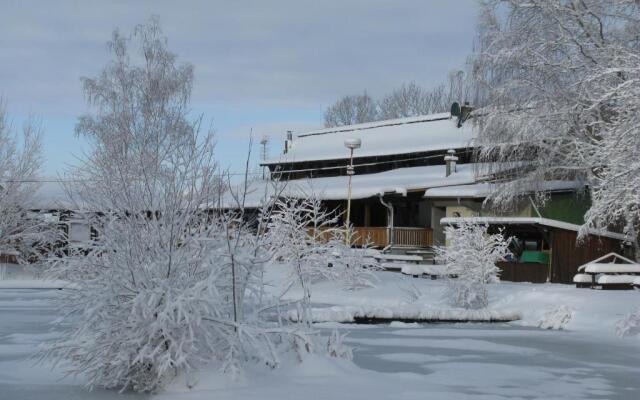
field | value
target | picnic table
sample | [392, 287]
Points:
[620, 273]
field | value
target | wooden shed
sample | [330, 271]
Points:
[557, 243]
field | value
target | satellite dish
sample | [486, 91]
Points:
[455, 109]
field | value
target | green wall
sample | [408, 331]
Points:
[567, 207]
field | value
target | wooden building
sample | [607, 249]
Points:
[547, 250]
[412, 174]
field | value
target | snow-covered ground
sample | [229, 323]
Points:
[593, 311]
[405, 361]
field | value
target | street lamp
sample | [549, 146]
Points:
[351, 144]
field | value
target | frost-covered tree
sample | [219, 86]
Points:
[351, 262]
[353, 109]
[168, 284]
[298, 228]
[304, 236]
[22, 232]
[470, 256]
[562, 79]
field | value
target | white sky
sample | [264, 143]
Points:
[262, 65]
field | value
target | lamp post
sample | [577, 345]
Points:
[351, 144]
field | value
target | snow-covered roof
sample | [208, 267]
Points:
[530, 221]
[56, 194]
[50, 195]
[398, 181]
[484, 189]
[381, 138]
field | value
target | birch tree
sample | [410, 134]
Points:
[169, 284]
[562, 80]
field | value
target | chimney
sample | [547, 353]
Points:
[450, 160]
[288, 142]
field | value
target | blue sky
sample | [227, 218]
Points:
[266, 66]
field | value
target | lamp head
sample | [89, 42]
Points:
[352, 143]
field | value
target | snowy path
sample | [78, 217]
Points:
[425, 361]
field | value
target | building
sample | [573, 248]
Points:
[414, 175]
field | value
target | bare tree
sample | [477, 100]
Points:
[350, 110]
[407, 101]
[22, 232]
[562, 81]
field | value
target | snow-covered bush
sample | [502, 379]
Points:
[556, 318]
[302, 234]
[629, 325]
[353, 266]
[470, 256]
[336, 346]
[412, 293]
[298, 230]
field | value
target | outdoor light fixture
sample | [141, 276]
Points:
[351, 144]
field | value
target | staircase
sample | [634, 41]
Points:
[426, 253]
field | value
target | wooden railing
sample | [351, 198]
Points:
[421, 237]
[373, 236]
[379, 236]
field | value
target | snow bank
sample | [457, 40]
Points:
[556, 318]
[594, 311]
[347, 314]
[582, 278]
[417, 269]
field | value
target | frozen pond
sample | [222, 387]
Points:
[502, 360]
[497, 360]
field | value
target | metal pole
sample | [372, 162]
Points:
[348, 223]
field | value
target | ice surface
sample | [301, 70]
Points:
[443, 361]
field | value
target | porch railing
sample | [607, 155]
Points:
[402, 236]
[378, 236]
[419, 237]
[374, 236]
